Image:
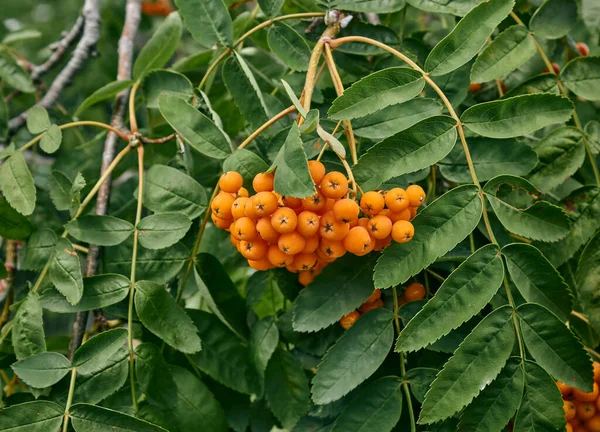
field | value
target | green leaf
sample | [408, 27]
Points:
[509, 50]
[582, 77]
[160, 314]
[270, 7]
[208, 21]
[160, 48]
[43, 369]
[167, 189]
[264, 338]
[28, 329]
[65, 271]
[98, 350]
[554, 347]
[38, 120]
[372, 6]
[476, 362]
[332, 142]
[224, 356]
[17, 185]
[395, 118]
[166, 81]
[543, 83]
[354, 357]
[468, 37]
[220, 294]
[592, 132]
[311, 122]
[92, 418]
[100, 230]
[439, 227]
[109, 91]
[51, 140]
[60, 190]
[490, 158]
[162, 230]
[541, 407]
[37, 416]
[516, 203]
[561, 153]
[263, 295]
[340, 288]
[549, 24]
[39, 248]
[377, 408]
[286, 388]
[292, 177]
[20, 36]
[13, 225]
[244, 90]
[497, 403]
[247, 163]
[516, 116]
[587, 276]
[154, 376]
[195, 407]
[3, 121]
[420, 380]
[290, 92]
[98, 292]
[13, 74]
[289, 46]
[537, 280]
[583, 208]
[462, 295]
[377, 91]
[416, 148]
[456, 7]
[194, 127]
[104, 381]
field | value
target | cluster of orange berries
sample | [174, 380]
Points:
[304, 235]
[415, 291]
[582, 410]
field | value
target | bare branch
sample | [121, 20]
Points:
[130, 28]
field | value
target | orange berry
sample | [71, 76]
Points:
[263, 182]
[224, 224]
[221, 205]
[583, 49]
[249, 209]
[312, 244]
[382, 244]
[396, 200]
[322, 255]
[593, 424]
[332, 249]
[596, 371]
[403, 215]
[363, 222]
[346, 210]
[305, 261]
[244, 229]
[317, 171]
[555, 68]
[369, 247]
[305, 277]
[371, 203]
[262, 264]
[329, 205]
[586, 397]
[266, 231]
[243, 192]
[292, 202]
[475, 87]
[331, 229]
[413, 211]
[284, 220]
[253, 250]
[569, 408]
[231, 181]
[315, 203]
[379, 227]
[565, 390]
[277, 257]
[585, 410]
[264, 203]
[366, 307]
[291, 243]
[358, 240]
[376, 294]
[578, 427]
[234, 242]
[348, 321]
[416, 195]
[403, 231]
[238, 208]
[415, 291]
[569, 427]
[334, 185]
[308, 223]
[291, 268]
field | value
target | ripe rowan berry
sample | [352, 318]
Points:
[593, 424]
[224, 224]
[403, 231]
[292, 202]
[221, 205]
[264, 203]
[570, 411]
[382, 244]
[231, 181]
[277, 257]
[305, 277]
[413, 211]
[253, 250]
[555, 69]
[596, 371]
[334, 185]
[249, 209]
[346, 210]
[403, 215]
[474, 87]
[565, 390]
[291, 243]
[262, 264]
[586, 397]
[266, 231]
[583, 49]
[331, 229]
[396, 200]
[315, 203]
[376, 294]
[284, 220]
[263, 182]
[366, 307]
[416, 195]
[308, 223]
[244, 229]
[234, 242]
[243, 192]
[372, 203]
[322, 255]
[585, 410]
[305, 261]
[358, 240]
[238, 208]
[379, 227]
[569, 427]
[363, 222]
[332, 249]
[317, 171]
[415, 291]
[312, 243]
[348, 321]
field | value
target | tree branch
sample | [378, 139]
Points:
[85, 46]
[130, 28]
